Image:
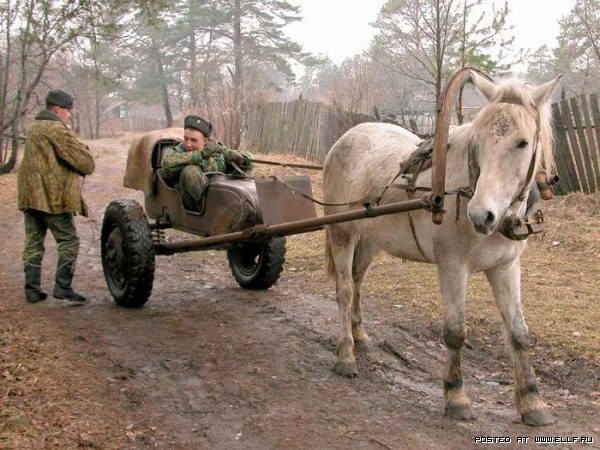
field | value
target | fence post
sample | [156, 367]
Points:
[573, 147]
[564, 162]
[592, 147]
[583, 147]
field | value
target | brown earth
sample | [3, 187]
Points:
[206, 364]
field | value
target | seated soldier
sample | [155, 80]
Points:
[186, 164]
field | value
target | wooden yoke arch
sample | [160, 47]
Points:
[440, 139]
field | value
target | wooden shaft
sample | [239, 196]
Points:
[275, 163]
[440, 140]
[299, 226]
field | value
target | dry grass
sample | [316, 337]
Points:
[47, 401]
[561, 281]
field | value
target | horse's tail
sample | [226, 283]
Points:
[329, 262]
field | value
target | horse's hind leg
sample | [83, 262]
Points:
[342, 252]
[453, 284]
[506, 285]
[363, 256]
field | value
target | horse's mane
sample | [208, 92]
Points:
[547, 139]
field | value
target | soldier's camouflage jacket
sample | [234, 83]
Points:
[53, 162]
[211, 158]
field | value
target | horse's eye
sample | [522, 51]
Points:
[522, 143]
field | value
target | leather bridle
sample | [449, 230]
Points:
[474, 163]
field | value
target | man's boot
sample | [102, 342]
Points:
[63, 280]
[33, 292]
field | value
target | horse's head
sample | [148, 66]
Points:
[510, 140]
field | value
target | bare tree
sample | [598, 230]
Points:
[35, 30]
[426, 40]
[577, 55]
[479, 33]
[540, 65]
[352, 88]
[417, 34]
[99, 62]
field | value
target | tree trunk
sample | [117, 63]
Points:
[97, 113]
[20, 101]
[3, 93]
[208, 103]
[463, 62]
[12, 159]
[97, 104]
[4, 78]
[165, 94]
[90, 118]
[238, 77]
[439, 55]
[194, 94]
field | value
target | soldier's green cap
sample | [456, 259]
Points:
[198, 123]
[60, 98]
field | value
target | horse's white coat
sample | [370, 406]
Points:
[368, 156]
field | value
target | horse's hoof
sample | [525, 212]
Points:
[346, 369]
[364, 345]
[538, 418]
[457, 412]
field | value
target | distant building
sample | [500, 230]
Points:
[123, 115]
[117, 110]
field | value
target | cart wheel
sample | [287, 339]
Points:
[257, 265]
[127, 253]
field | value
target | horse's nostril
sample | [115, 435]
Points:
[490, 219]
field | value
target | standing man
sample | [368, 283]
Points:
[186, 164]
[49, 189]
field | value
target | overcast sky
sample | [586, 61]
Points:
[340, 28]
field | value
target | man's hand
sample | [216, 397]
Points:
[245, 161]
[210, 150]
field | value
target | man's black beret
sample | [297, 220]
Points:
[198, 123]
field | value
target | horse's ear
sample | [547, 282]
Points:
[486, 87]
[542, 93]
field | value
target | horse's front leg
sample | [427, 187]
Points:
[506, 285]
[453, 285]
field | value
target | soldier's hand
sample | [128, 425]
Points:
[245, 162]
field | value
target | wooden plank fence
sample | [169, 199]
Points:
[309, 129]
[577, 146]
[300, 127]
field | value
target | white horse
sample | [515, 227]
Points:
[510, 138]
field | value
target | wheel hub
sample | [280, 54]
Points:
[116, 259]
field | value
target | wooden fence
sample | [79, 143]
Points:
[577, 145]
[301, 127]
[309, 129]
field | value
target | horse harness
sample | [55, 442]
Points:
[512, 226]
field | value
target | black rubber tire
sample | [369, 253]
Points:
[257, 265]
[127, 253]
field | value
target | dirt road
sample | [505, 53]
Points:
[206, 364]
